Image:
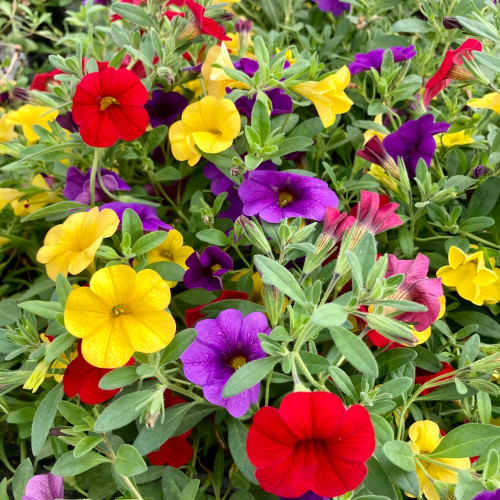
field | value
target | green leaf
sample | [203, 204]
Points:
[314, 362]
[168, 174]
[293, 144]
[397, 386]
[128, 461]
[329, 315]
[343, 381]
[169, 271]
[179, 344]
[214, 237]
[72, 413]
[69, 465]
[133, 13]
[260, 120]
[9, 312]
[63, 207]
[400, 454]
[63, 289]
[132, 224]
[21, 477]
[149, 241]
[238, 446]
[486, 325]
[391, 328]
[478, 28]
[476, 224]
[86, 444]
[411, 26]
[174, 483]
[48, 310]
[486, 195]
[58, 346]
[118, 378]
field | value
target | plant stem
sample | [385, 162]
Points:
[93, 174]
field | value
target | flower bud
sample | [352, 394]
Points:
[273, 300]
[37, 377]
[479, 171]
[254, 233]
[451, 23]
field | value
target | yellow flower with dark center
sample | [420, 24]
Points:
[488, 101]
[29, 115]
[121, 312]
[454, 139]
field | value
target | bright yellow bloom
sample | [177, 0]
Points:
[171, 250]
[7, 132]
[70, 247]
[121, 312]
[35, 380]
[61, 362]
[29, 115]
[379, 173]
[39, 200]
[468, 274]
[8, 195]
[454, 139]
[425, 437]
[234, 45]
[328, 95]
[195, 87]
[257, 286]
[288, 56]
[368, 134]
[489, 101]
[210, 124]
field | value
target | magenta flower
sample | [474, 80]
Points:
[374, 152]
[373, 59]
[147, 214]
[335, 223]
[488, 495]
[205, 270]
[336, 7]
[44, 487]
[164, 108]
[221, 347]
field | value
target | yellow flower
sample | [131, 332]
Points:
[61, 362]
[121, 312]
[210, 124]
[454, 139]
[424, 335]
[8, 195]
[30, 205]
[328, 95]
[288, 56]
[468, 274]
[35, 380]
[234, 45]
[379, 173]
[195, 87]
[368, 134]
[257, 286]
[489, 101]
[171, 250]
[425, 437]
[7, 132]
[70, 247]
[29, 115]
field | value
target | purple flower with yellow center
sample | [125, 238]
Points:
[336, 7]
[164, 108]
[222, 346]
[373, 59]
[44, 487]
[277, 195]
[414, 140]
[147, 214]
[205, 270]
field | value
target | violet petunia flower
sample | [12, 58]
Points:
[44, 487]
[205, 270]
[488, 495]
[164, 108]
[277, 195]
[336, 7]
[77, 187]
[66, 121]
[310, 495]
[414, 140]
[373, 59]
[221, 347]
[147, 214]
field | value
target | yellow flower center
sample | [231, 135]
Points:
[215, 131]
[120, 310]
[236, 362]
[107, 101]
[285, 197]
[167, 254]
[215, 268]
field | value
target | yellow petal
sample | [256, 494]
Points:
[425, 434]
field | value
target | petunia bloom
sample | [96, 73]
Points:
[44, 487]
[373, 59]
[328, 95]
[205, 270]
[121, 312]
[109, 105]
[164, 108]
[488, 495]
[147, 214]
[277, 195]
[336, 7]
[222, 346]
[41, 81]
[488, 101]
[7, 132]
[312, 443]
[423, 376]
[27, 116]
[455, 139]
[201, 25]
[70, 247]
[335, 224]
[375, 152]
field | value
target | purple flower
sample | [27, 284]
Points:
[336, 7]
[488, 495]
[221, 347]
[77, 186]
[373, 59]
[310, 495]
[164, 108]
[479, 171]
[44, 487]
[147, 214]
[205, 270]
[66, 121]
[277, 195]
[414, 140]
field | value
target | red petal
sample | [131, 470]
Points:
[130, 121]
[175, 452]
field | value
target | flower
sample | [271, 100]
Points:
[77, 187]
[328, 95]
[336, 7]
[278, 195]
[307, 496]
[121, 312]
[209, 124]
[66, 122]
[222, 346]
[83, 379]
[488, 495]
[311, 443]
[202, 25]
[70, 247]
[41, 81]
[479, 171]
[375, 152]
[423, 376]
[373, 59]
[164, 108]
[425, 437]
[205, 270]
[414, 140]
[44, 487]
[27, 116]
[369, 133]
[450, 69]
[7, 132]
[455, 139]
[470, 277]
[488, 101]
[335, 224]
[108, 105]
[147, 214]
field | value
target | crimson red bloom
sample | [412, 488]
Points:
[423, 376]
[205, 25]
[450, 69]
[83, 379]
[311, 443]
[109, 105]
[42, 80]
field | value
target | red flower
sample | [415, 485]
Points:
[42, 80]
[194, 314]
[108, 105]
[311, 443]
[83, 379]
[450, 69]
[423, 376]
[203, 25]
[175, 451]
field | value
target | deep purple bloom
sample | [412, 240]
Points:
[66, 121]
[479, 171]
[221, 347]
[147, 214]
[373, 59]
[414, 140]
[278, 195]
[336, 7]
[77, 186]
[310, 495]
[44, 487]
[164, 108]
[205, 270]
[488, 495]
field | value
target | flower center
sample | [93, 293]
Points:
[285, 198]
[215, 131]
[459, 73]
[215, 268]
[237, 361]
[107, 101]
[167, 254]
[120, 310]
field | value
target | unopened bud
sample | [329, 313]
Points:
[451, 23]
[37, 377]
[479, 171]
[273, 300]
[254, 233]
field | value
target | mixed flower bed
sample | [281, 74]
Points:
[249, 250]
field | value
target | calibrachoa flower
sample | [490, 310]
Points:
[164, 108]
[41, 81]
[423, 376]
[205, 270]
[488, 101]
[425, 437]
[7, 132]
[278, 195]
[222, 346]
[70, 247]
[488, 495]
[121, 312]
[201, 25]
[335, 224]
[328, 95]
[336, 7]
[109, 105]
[44, 487]
[307, 496]
[455, 139]
[29, 115]
[373, 59]
[374, 151]
[209, 124]
[147, 214]
[312, 443]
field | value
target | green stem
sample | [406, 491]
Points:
[438, 463]
[268, 387]
[306, 372]
[93, 174]
[481, 240]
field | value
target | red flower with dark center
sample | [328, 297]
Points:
[108, 105]
[203, 25]
[42, 80]
[423, 376]
[311, 443]
[450, 69]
